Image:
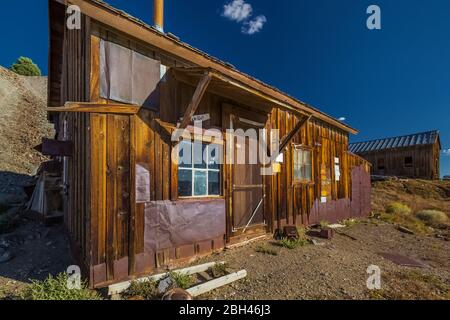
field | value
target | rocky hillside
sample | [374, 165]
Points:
[23, 121]
[417, 194]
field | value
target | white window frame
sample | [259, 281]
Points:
[193, 170]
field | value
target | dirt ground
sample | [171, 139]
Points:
[338, 269]
[334, 269]
[37, 252]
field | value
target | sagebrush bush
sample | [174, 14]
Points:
[55, 288]
[398, 208]
[146, 289]
[26, 67]
[219, 270]
[432, 217]
[183, 281]
[292, 243]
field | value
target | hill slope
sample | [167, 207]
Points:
[23, 122]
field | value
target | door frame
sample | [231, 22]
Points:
[228, 119]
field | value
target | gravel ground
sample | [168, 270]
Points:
[338, 269]
[37, 252]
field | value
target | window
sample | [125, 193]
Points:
[380, 164]
[408, 162]
[302, 164]
[199, 169]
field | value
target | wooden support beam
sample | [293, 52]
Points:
[115, 108]
[195, 101]
[294, 131]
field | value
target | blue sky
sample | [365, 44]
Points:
[385, 82]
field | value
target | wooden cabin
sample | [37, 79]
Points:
[118, 89]
[414, 156]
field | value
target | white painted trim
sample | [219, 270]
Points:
[216, 283]
[121, 287]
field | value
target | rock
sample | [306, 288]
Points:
[177, 294]
[166, 284]
[317, 243]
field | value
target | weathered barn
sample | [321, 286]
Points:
[414, 156]
[118, 89]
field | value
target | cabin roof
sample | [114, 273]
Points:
[96, 9]
[416, 139]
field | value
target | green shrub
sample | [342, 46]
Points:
[432, 217]
[56, 289]
[26, 67]
[292, 243]
[266, 250]
[146, 289]
[219, 270]
[398, 208]
[183, 281]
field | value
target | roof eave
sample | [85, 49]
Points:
[126, 24]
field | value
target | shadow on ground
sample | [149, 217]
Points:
[37, 250]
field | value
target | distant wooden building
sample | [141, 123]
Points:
[119, 88]
[414, 156]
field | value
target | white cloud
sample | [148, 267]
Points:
[237, 10]
[446, 152]
[342, 119]
[254, 26]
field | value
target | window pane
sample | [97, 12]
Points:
[214, 183]
[199, 155]
[184, 183]
[185, 154]
[308, 172]
[214, 156]
[200, 183]
[297, 173]
[307, 157]
[302, 165]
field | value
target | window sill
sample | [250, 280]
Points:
[196, 199]
[297, 183]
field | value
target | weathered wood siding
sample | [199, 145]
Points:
[74, 86]
[425, 163]
[105, 222]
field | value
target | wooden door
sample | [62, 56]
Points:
[246, 184]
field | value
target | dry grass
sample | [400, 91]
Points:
[411, 285]
[397, 201]
[264, 249]
[416, 194]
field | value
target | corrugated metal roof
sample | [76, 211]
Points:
[416, 139]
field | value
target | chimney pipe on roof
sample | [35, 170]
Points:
[158, 14]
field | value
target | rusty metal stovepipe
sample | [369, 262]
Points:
[158, 14]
